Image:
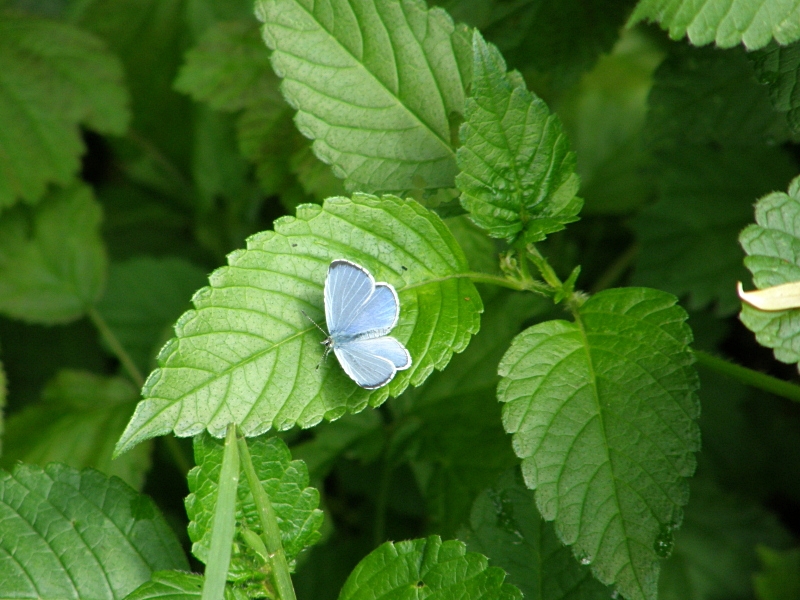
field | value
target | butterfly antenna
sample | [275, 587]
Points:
[314, 322]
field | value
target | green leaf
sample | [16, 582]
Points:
[53, 79]
[726, 22]
[688, 238]
[517, 171]
[426, 567]
[52, 260]
[772, 246]
[78, 421]
[143, 298]
[284, 480]
[248, 354]
[603, 415]
[714, 554]
[377, 86]
[780, 579]
[779, 68]
[174, 585]
[229, 68]
[505, 526]
[78, 534]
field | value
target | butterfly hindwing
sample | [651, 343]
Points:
[373, 362]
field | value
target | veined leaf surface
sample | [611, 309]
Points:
[772, 245]
[603, 414]
[517, 171]
[376, 83]
[248, 355]
[726, 22]
[779, 68]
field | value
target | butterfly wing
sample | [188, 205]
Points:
[372, 362]
[355, 305]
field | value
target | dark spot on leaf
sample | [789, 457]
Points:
[294, 245]
[420, 584]
[404, 268]
[467, 298]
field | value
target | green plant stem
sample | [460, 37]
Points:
[115, 345]
[615, 270]
[382, 502]
[475, 277]
[749, 376]
[224, 523]
[269, 525]
[547, 272]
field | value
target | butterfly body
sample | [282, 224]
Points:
[360, 313]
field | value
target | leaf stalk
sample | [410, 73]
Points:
[116, 347]
[749, 377]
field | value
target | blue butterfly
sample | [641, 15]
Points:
[360, 313]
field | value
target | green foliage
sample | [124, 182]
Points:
[430, 567]
[78, 534]
[377, 86]
[772, 246]
[506, 526]
[77, 422]
[267, 377]
[53, 78]
[169, 584]
[580, 412]
[517, 173]
[779, 67]
[284, 480]
[780, 579]
[725, 22]
[52, 260]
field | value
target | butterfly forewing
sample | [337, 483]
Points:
[347, 287]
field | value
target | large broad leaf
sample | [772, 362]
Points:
[248, 355]
[772, 245]
[77, 422]
[378, 85]
[725, 22]
[426, 567]
[517, 171]
[53, 78]
[52, 260]
[505, 526]
[77, 534]
[779, 67]
[603, 416]
[285, 482]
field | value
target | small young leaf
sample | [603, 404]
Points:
[780, 579]
[143, 298]
[377, 85]
[506, 527]
[772, 245]
[285, 482]
[78, 534]
[779, 68]
[52, 260]
[53, 78]
[248, 354]
[517, 171]
[427, 567]
[603, 413]
[78, 421]
[726, 22]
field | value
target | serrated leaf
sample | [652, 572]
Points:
[779, 68]
[714, 554]
[517, 172]
[780, 577]
[143, 298]
[688, 238]
[603, 414]
[726, 22]
[78, 421]
[377, 85]
[772, 246]
[53, 78]
[52, 260]
[426, 567]
[248, 355]
[78, 534]
[284, 480]
[505, 526]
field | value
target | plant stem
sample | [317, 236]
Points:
[224, 523]
[475, 277]
[615, 270]
[749, 376]
[116, 347]
[269, 525]
[382, 501]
